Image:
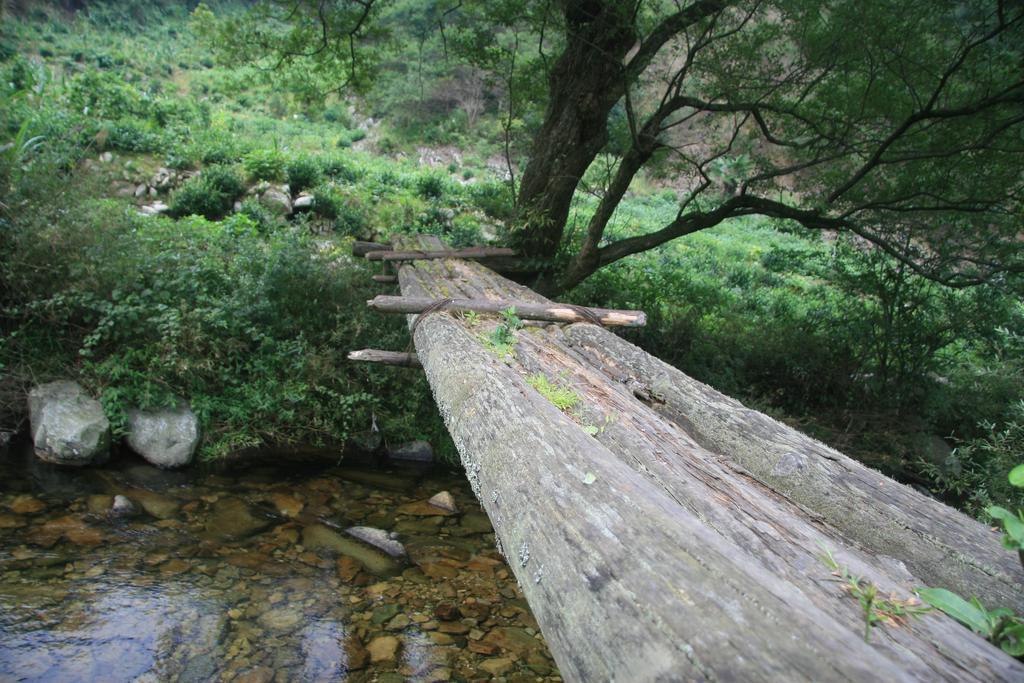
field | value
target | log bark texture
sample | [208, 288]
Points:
[551, 312]
[648, 556]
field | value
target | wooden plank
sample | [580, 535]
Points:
[644, 555]
[408, 360]
[551, 312]
[363, 248]
[426, 255]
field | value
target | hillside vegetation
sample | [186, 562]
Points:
[152, 250]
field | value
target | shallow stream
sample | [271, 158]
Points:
[249, 575]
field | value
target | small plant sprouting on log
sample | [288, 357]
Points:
[471, 318]
[563, 398]
[877, 608]
[1001, 626]
[503, 337]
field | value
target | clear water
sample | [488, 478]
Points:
[249, 575]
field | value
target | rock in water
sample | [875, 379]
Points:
[444, 500]
[122, 507]
[378, 538]
[68, 426]
[415, 451]
[165, 438]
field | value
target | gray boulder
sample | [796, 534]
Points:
[166, 438]
[277, 200]
[68, 425]
[303, 202]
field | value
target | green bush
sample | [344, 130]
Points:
[264, 164]
[105, 95]
[199, 197]
[337, 168]
[302, 172]
[977, 476]
[224, 179]
[326, 202]
[431, 185]
[251, 330]
[264, 219]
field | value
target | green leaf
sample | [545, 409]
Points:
[589, 478]
[956, 607]
[591, 430]
[1017, 476]
[1012, 523]
[1012, 641]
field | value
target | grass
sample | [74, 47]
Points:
[563, 398]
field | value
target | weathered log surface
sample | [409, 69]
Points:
[408, 360]
[646, 555]
[434, 254]
[552, 312]
[941, 547]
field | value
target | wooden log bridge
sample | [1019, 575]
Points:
[663, 532]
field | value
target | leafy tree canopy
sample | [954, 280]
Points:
[898, 121]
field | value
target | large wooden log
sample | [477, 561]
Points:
[644, 555]
[938, 544]
[552, 312]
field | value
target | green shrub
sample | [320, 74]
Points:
[249, 329]
[338, 168]
[105, 95]
[264, 164]
[431, 185]
[224, 179]
[199, 197]
[264, 219]
[338, 113]
[326, 202]
[132, 135]
[302, 172]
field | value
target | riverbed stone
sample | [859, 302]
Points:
[167, 437]
[287, 505]
[383, 649]
[514, 640]
[423, 508]
[156, 504]
[122, 506]
[377, 538]
[26, 505]
[68, 425]
[231, 518]
[497, 665]
[281, 619]
[444, 500]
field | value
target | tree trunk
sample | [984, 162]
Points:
[585, 83]
[647, 556]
